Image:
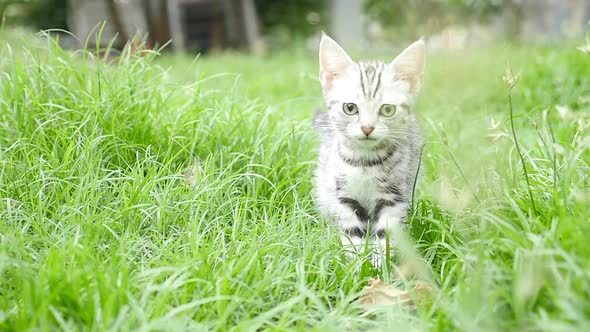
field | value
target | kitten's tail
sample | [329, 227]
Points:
[320, 120]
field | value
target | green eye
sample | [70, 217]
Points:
[350, 108]
[388, 110]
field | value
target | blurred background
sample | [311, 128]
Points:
[261, 26]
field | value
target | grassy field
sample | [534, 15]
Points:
[103, 228]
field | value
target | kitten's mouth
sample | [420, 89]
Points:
[367, 138]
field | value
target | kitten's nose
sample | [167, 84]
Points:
[367, 130]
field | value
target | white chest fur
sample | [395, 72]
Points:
[361, 184]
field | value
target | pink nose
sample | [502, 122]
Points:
[367, 130]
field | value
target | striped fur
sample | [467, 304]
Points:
[363, 182]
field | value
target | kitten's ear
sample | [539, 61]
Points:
[333, 60]
[409, 65]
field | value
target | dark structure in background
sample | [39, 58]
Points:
[206, 24]
[193, 25]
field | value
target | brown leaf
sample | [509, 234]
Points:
[378, 293]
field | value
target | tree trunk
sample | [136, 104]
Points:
[117, 22]
[146, 8]
[161, 31]
[345, 23]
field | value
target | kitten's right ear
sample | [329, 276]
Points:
[333, 60]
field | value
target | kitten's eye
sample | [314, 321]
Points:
[388, 110]
[350, 108]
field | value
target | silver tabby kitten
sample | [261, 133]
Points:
[370, 140]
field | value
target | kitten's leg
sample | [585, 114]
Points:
[390, 218]
[353, 229]
[354, 232]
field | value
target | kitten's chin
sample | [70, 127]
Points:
[365, 142]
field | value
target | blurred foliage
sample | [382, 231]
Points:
[48, 14]
[283, 20]
[40, 14]
[427, 16]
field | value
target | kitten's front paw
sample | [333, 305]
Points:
[376, 249]
[377, 259]
[379, 252]
[353, 245]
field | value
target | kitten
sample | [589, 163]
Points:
[370, 141]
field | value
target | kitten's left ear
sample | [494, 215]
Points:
[409, 65]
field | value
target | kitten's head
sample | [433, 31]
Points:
[370, 102]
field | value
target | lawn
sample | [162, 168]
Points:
[172, 193]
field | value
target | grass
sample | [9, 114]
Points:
[100, 231]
